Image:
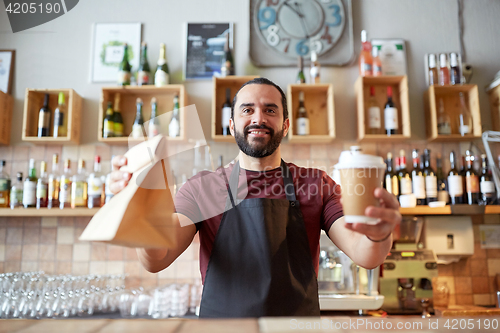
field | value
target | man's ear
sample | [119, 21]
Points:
[286, 126]
[231, 126]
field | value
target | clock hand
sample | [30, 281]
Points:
[293, 9]
[302, 19]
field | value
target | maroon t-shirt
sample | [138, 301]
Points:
[203, 198]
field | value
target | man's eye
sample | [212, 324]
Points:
[246, 110]
[271, 111]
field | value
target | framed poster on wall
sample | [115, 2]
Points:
[107, 49]
[205, 49]
[6, 70]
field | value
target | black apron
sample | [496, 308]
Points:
[260, 264]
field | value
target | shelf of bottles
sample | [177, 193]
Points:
[45, 212]
[383, 108]
[224, 90]
[123, 101]
[6, 104]
[313, 120]
[51, 119]
[452, 113]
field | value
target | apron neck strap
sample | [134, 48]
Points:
[234, 179]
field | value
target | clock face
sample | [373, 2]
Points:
[294, 28]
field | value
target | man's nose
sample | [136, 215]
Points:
[259, 117]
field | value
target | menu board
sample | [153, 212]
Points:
[205, 49]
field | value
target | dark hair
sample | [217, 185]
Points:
[263, 80]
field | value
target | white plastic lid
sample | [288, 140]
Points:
[363, 36]
[453, 60]
[432, 60]
[354, 158]
[442, 60]
[314, 56]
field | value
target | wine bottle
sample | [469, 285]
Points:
[65, 186]
[365, 57]
[374, 121]
[444, 73]
[405, 183]
[377, 63]
[139, 121]
[302, 118]
[226, 113]
[455, 183]
[4, 186]
[79, 186]
[96, 180]
[162, 77]
[441, 181]
[390, 114]
[391, 182]
[301, 78]
[16, 192]
[60, 118]
[144, 73]
[444, 123]
[486, 184]
[433, 74]
[117, 118]
[431, 186]
[315, 68]
[41, 187]
[454, 69]
[471, 180]
[464, 117]
[418, 179]
[227, 65]
[124, 69]
[154, 122]
[108, 124]
[53, 183]
[174, 127]
[29, 188]
[44, 118]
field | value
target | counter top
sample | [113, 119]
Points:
[262, 325]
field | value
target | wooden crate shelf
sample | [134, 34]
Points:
[452, 210]
[401, 101]
[319, 103]
[33, 212]
[494, 97]
[219, 97]
[6, 105]
[451, 101]
[128, 96]
[33, 103]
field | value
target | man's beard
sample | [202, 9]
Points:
[259, 149]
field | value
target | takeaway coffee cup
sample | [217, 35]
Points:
[360, 174]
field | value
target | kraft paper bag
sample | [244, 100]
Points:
[141, 214]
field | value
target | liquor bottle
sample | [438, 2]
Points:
[108, 124]
[60, 118]
[29, 188]
[418, 179]
[464, 118]
[302, 118]
[144, 73]
[405, 183]
[486, 184]
[138, 122]
[377, 63]
[154, 122]
[96, 181]
[444, 122]
[4, 186]
[174, 127]
[315, 68]
[226, 113]
[41, 187]
[124, 69]
[162, 74]
[365, 57]
[301, 78]
[431, 185]
[455, 183]
[462, 173]
[227, 65]
[441, 181]
[471, 180]
[454, 70]
[107, 190]
[44, 118]
[79, 187]
[65, 186]
[433, 74]
[117, 118]
[390, 115]
[444, 73]
[16, 192]
[391, 183]
[374, 117]
[53, 183]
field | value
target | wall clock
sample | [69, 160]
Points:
[283, 30]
